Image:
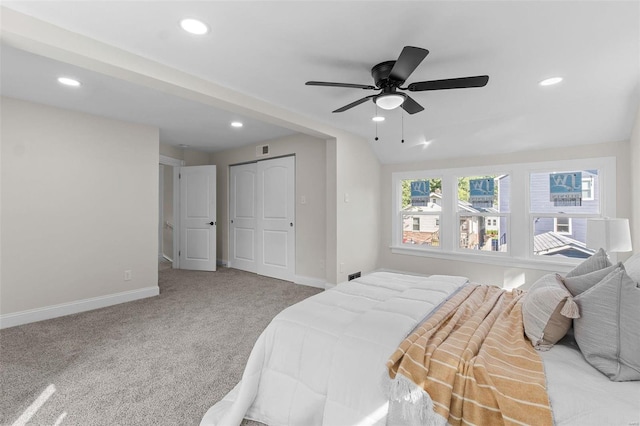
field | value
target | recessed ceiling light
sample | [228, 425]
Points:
[550, 81]
[236, 124]
[184, 145]
[194, 26]
[378, 118]
[68, 81]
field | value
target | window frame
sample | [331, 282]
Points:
[520, 218]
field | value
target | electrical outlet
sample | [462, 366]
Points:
[127, 275]
[355, 275]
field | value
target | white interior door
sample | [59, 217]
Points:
[242, 217]
[198, 218]
[276, 215]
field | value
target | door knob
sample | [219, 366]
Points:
[212, 223]
[290, 223]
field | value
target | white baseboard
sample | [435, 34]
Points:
[55, 311]
[308, 281]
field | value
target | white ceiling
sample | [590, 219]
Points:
[268, 50]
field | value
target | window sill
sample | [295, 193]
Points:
[499, 259]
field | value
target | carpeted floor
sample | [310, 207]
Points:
[158, 361]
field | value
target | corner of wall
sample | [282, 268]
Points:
[634, 159]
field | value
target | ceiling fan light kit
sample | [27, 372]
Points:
[389, 76]
[390, 101]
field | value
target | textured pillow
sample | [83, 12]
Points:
[581, 283]
[547, 310]
[632, 266]
[598, 260]
[608, 330]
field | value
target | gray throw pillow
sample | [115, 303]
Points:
[547, 309]
[608, 330]
[581, 283]
[598, 260]
[632, 266]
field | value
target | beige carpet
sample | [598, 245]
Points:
[158, 361]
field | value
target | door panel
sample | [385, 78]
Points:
[197, 218]
[276, 232]
[261, 211]
[242, 217]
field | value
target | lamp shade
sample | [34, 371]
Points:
[390, 101]
[611, 234]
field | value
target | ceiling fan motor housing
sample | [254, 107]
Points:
[380, 74]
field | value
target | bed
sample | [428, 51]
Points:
[325, 360]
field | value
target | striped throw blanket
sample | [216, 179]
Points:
[470, 363]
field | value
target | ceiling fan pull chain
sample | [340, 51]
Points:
[402, 121]
[376, 109]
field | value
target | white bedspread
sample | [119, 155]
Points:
[321, 361]
[581, 395]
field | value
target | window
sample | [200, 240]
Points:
[483, 207]
[588, 188]
[560, 215]
[562, 225]
[504, 213]
[420, 211]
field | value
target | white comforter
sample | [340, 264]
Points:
[581, 395]
[320, 361]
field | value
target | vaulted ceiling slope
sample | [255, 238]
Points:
[266, 51]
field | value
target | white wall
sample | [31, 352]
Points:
[479, 272]
[310, 182]
[357, 198]
[79, 207]
[634, 164]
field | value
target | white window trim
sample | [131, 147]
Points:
[519, 224]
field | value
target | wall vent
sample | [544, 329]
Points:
[354, 275]
[262, 150]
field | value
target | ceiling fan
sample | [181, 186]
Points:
[389, 76]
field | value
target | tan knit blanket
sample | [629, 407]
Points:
[474, 362]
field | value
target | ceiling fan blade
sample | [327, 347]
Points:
[411, 106]
[407, 62]
[351, 85]
[356, 103]
[449, 83]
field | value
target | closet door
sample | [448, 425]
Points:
[261, 217]
[276, 215]
[243, 217]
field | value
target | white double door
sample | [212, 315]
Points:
[261, 216]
